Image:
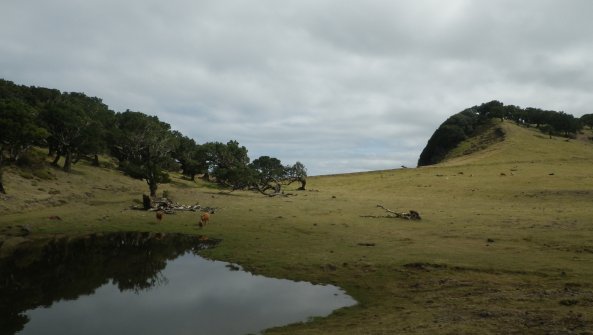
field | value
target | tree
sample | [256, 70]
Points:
[298, 173]
[537, 116]
[445, 138]
[515, 113]
[2, 190]
[498, 112]
[74, 123]
[269, 174]
[19, 126]
[144, 146]
[492, 109]
[66, 124]
[99, 133]
[230, 165]
[587, 120]
[75, 126]
[35, 97]
[207, 158]
[564, 123]
[192, 157]
[265, 175]
[20, 129]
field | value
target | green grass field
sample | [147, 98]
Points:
[505, 244]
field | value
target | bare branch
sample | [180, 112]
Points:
[411, 215]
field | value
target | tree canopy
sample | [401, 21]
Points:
[587, 120]
[144, 146]
[74, 126]
[20, 129]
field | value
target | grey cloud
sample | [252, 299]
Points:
[340, 86]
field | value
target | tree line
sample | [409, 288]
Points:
[73, 126]
[471, 121]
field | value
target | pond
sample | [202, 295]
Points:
[146, 283]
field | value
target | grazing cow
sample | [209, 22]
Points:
[204, 218]
[159, 215]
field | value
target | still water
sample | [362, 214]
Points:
[147, 284]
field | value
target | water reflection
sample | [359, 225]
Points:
[146, 283]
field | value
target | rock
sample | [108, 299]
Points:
[233, 267]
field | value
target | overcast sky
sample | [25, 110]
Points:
[341, 86]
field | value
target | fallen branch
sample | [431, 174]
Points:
[411, 215]
[277, 190]
[169, 207]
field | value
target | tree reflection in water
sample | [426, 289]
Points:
[48, 271]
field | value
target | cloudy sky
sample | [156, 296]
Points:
[341, 86]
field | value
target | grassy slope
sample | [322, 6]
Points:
[494, 253]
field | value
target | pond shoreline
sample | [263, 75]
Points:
[44, 276]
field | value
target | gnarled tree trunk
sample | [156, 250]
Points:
[152, 186]
[303, 184]
[146, 202]
[2, 190]
[68, 160]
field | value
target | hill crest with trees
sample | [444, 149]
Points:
[481, 121]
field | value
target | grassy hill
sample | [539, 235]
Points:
[505, 244]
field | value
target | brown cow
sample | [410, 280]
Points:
[159, 215]
[204, 218]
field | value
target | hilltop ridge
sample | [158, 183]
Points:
[476, 128]
[519, 144]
